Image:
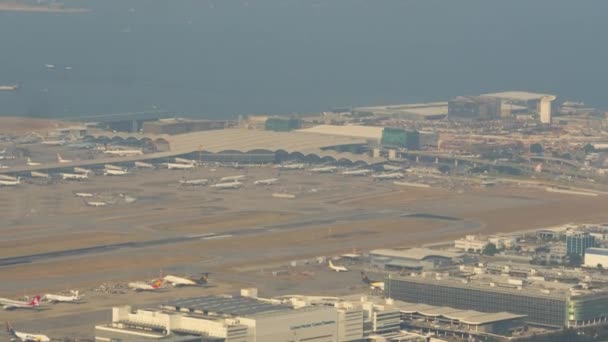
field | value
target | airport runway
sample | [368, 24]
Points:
[454, 224]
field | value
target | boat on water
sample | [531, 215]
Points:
[9, 87]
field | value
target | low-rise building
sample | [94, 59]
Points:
[596, 257]
[413, 258]
[233, 319]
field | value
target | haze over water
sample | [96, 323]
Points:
[222, 58]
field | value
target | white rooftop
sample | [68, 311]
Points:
[415, 253]
[517, 95]
[353, 131]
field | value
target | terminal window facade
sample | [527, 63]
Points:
[540, 310]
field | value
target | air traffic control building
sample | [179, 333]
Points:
[545, 303]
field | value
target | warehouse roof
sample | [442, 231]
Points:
[226, 305]
[419, 109]
[517, 95]
[415, 253]
[353, 131]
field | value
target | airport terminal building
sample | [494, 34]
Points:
[544, 303]
[232, 319]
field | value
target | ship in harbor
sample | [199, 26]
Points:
[9, 87]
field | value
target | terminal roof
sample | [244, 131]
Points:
[226, 305]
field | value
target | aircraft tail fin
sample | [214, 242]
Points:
[35, 301]
[331, 264]
[9, 329]
[158, 283]
[59, 159]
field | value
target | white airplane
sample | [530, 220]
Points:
[143, 165]
[83, 194]
[231, 185]
[266, 181]
[9, 304]
[82, 170]
[3, 166]
[194, 182]
[53, 142]
[394, 175]
[74, 176]
[112, 172]
[181, 281]
[6, 182]
[35, 174]
[29, 162]
[363, 172]
[291, 166]
[337, 268]
[25, 337]
[231, 178]
[184, 161]
[179, 166]
[61, 160]
[113, 167]
[124, 153]
[144, 286]
[389, 167]
[7, 177]
[325, 169]
[96, 204]
[53, 298]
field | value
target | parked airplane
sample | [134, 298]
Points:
[112, 172]
[82, 145]
[6, 182]
[124, 153]
[25, 337]
[96, 204]
[53, 298]
[144, 286]
[266, 181]
[143, 165]
[3, 166]
[230, 185]
[231, 178]
[184, 161]
[389, 167]
[29, 162]
[394, 175]
[7, 177]
[180, 166]
[337, 268]
[194, 182]
[74, 176]
[9, 304]
[325, 169]
[291, 166]
[181, 281]
[83, 194]
[61, 160]
[53, 142]
[82, 170]
[374, 285]
[363, 172]
[113, 167]
[36, 174]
